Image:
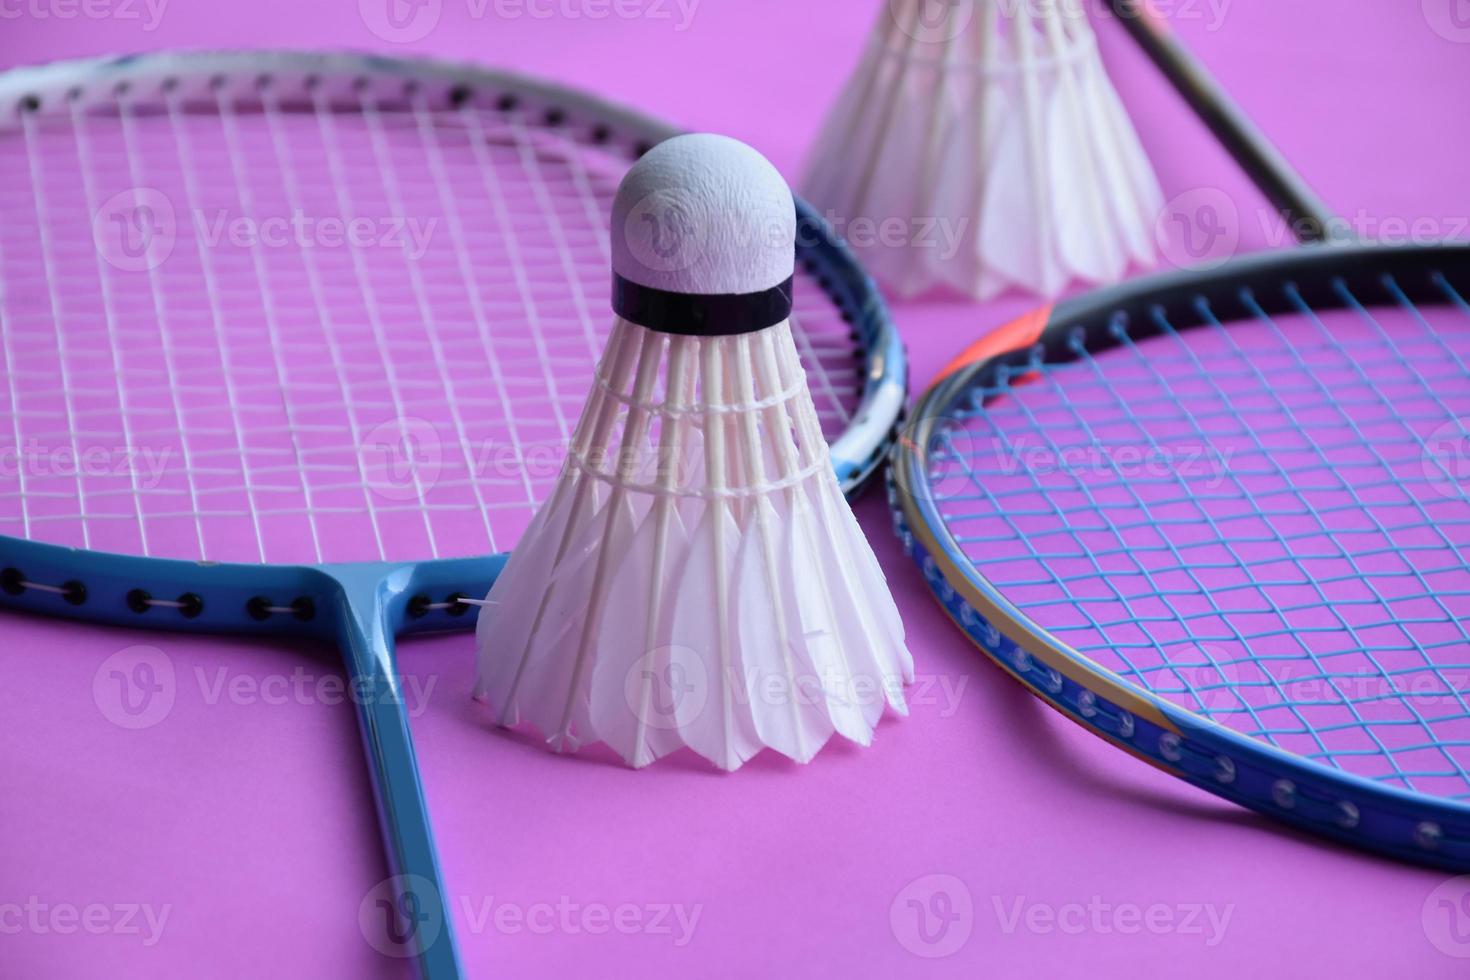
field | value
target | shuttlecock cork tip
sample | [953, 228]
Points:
[703, 239]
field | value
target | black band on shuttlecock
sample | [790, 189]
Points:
[716, 315]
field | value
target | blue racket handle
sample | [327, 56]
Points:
[414, 906]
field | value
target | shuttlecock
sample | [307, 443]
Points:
[696, 577]
[980, 145]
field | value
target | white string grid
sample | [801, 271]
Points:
[1267, 523]
[304, 330]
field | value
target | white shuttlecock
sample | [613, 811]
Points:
[981, 146]
[696, 577]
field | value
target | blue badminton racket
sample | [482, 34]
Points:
[294, 344]
[1221, 517]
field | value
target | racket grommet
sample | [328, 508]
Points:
[190, 605]
[139, 601]
[74, 592]
[456, 607]
[1224, 770]
[258, 608]
[1428, 834]
[459, 95]
[507, 102]
[1171, 746]
[12, 582]
[418, 606]
[1126, 725]
[601, 134]
[30, 103]
[1347, 815]
[641, 149]
[555, 116]
[303, 608]
[1283, 792]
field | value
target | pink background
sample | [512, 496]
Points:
[251, 823]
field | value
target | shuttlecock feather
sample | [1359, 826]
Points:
[696, 578]
[980, 146]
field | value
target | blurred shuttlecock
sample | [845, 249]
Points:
[980, 145]
[696, 578]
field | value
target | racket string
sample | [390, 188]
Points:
[1361, 574]
[1325, 595]
[282, 383]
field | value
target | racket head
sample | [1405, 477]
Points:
[255, 385]
[1220, 519]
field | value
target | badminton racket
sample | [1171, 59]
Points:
[294, 343]
[1220, 517]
